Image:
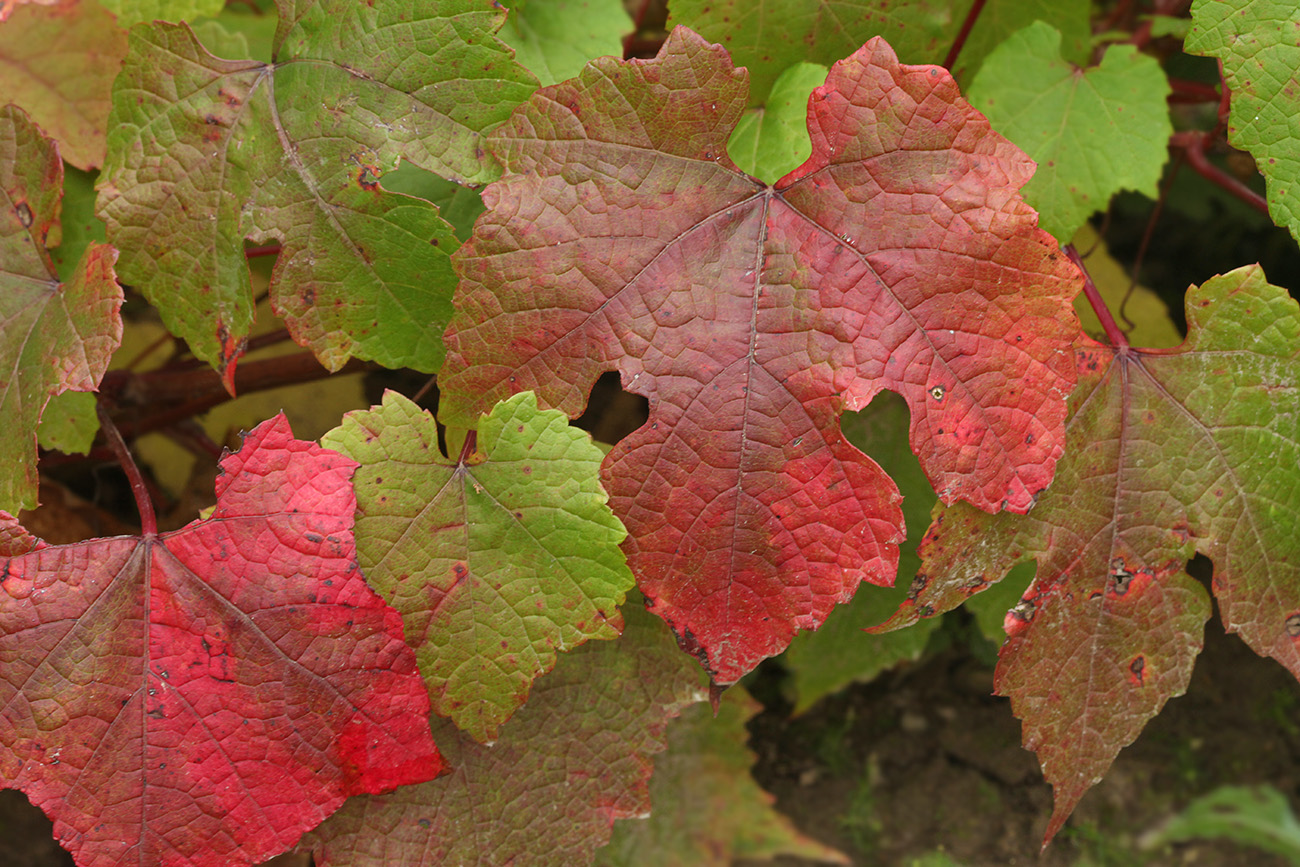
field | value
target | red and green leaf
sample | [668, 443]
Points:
[54, 336]
[1169, 453]
[205, 154]
[574, 759]
[898, 256]
[205, 696]
[499, 560]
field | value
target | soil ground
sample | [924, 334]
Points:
[926, 759]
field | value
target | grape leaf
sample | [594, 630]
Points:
[54, 337]
[750, 316]
[497, 561]
[768, 36]
[69, 423]
[999, 19]
[58, 63]
[205, 153]
[1093, 132]
[130, 12]
[554, 39]
[771, 140]
[897, 257]
[1169, 452]
[573, 759]
[1256, 40]
[205, 696]
[705, 808]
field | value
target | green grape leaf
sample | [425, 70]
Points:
[769, 36]
[78, 224]
[576, 757]
[1093, 132]
[54, 336]
[705, 808]
[1257, 42]
[999, 19]
[69, 423]
[554, 39]
[1169, 452]
[206, 153]
[771, 140]
[497, 561]
[841, 651]
[131, 12]
[58, 64]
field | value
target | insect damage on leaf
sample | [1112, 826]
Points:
[898, 256]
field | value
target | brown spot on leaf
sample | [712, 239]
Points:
[1137, 670]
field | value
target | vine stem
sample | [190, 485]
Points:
[1193, 145]
[960, 42]
[143, 502]
[1098, 304]
[467, 447]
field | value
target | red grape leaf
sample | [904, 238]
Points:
[898, 256]
[205, 696]
[58, 62]
[53, 337]
[573, 759]
[1169, 452]
[205, 153]
[498, 560]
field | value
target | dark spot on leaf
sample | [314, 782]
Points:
[1029, 439]
[312, 537]
[1137, 668]
[918, 585]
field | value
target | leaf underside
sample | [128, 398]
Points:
[203, 697]
[622, 237]
[1169, 453]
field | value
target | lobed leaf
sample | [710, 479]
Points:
[1168, 453]
[1256, 40]
[58, 63]
[203, 697]
[898, 256]
[1093, 132]
[574, 759]
[497, 561]
[54, 337]
[205, 154]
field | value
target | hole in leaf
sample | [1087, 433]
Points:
[612, 413]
